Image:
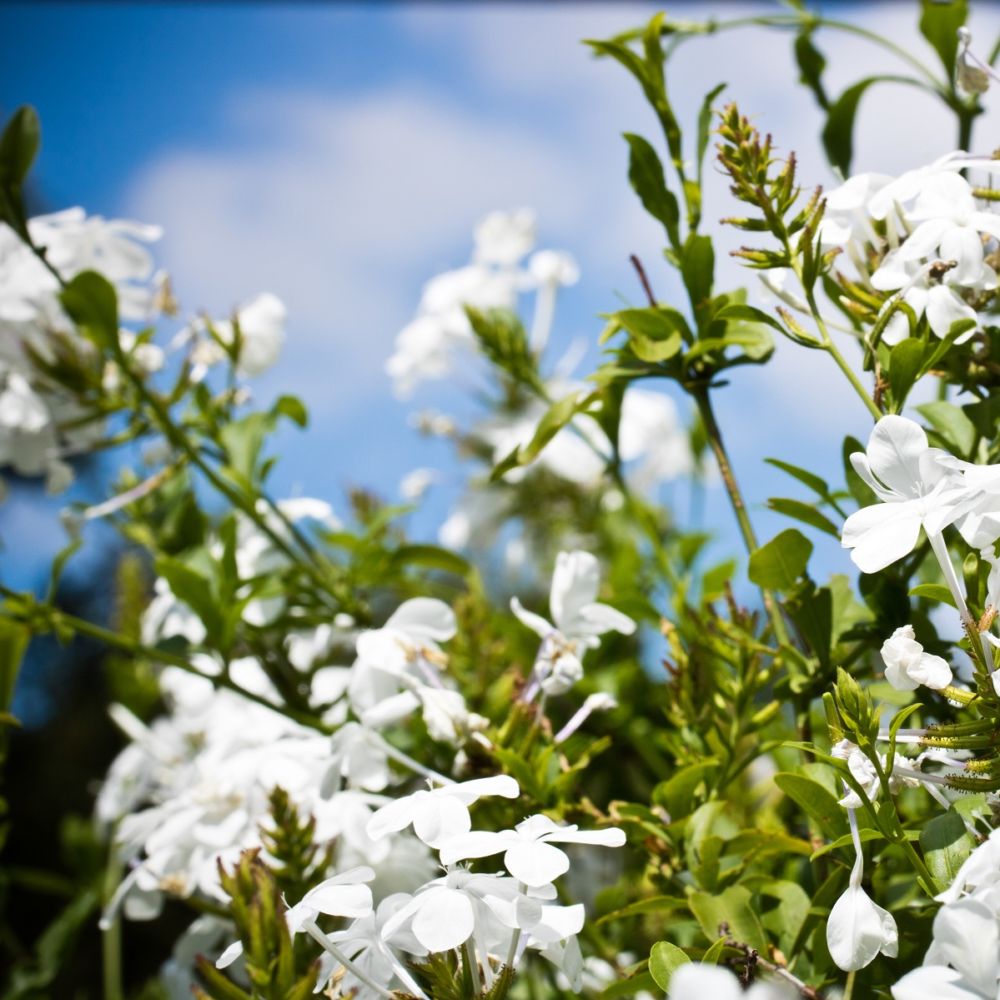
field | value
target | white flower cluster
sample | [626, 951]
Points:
[193, 787]
[41, 424]
[921, 490]
[963, 960]
[439, 343]
[494, 917]
[925, 237]
[34, 438]
[440, 337]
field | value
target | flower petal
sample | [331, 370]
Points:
[445, 919]
[894, 450]
[881, 534]
[425, 617]
[535, 863]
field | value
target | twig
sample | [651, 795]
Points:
[644, 281]
[752, 960]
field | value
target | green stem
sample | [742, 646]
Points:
[849, 986]
[800, 21]
[703, 401]
[54, 618]
[111, 937]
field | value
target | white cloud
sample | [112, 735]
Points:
[342, 208]
[344, 205]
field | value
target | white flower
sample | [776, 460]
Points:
[698, 981]
[940, 300]
[553, 267]
[374, 952]
[980, 872]
[446, 912]
[343, 895]
[579, 621]
[75, 242]
[950, 225]
[862, 770]
[358, 756]
[504, 238]
[909, 480]
[858, 929]
[406, 647]
[416, 483]
[261, 324]
[439, 814]
[907, 666]
[529, 854]
[963, 962]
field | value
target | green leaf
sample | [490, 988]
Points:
[786, 919]
[655, 333]
[957, 430]
[779, 564]
[645, 174]
[641, 982]
[937, 592]
[838, 133]
[243, 441]
[734, 907]
[13, 645]
[194, 590]
[804, 512]
[677, 793]
[939, 24]
[698, 269]
[430, 557]
[819, 486]
[19, 146]
[705, 126]
[812, 611]
[811, 63]
[291, 407]
[748, 314]
[664, 959]
[905, 361]
[556, 417]
[90, 301]
[946, 843]
[816, 801]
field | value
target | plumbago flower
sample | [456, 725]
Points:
[963, 960]
[907, 666]
[915, 490]
[439, 814]
[697, 981]
[42, 423]
[528, 851]
[579, 622]
[399, 669]
[858, 929]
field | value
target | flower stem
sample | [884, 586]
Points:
[111, 935]
[54, 618]
[312, 929]
[714, 434]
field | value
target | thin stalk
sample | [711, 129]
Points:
[849, 986]
[324, 942]
[413, 765]
[56, 617]
[830, 347]
[811, 20]
[714, 434]
[111, 935]
[179, 439]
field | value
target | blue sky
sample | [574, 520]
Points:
[340, 155]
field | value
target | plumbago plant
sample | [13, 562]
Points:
[552, 755]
